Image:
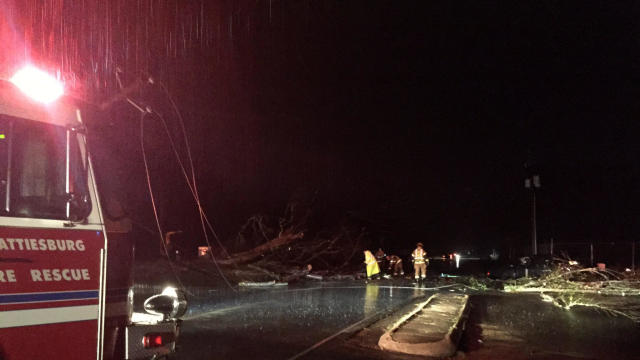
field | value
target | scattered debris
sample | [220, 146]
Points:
[443, 275]
[261, 284]
[568, 286]
[577, 279]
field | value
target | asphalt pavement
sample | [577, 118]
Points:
[346, 319]
[286, 323]
[522, 326]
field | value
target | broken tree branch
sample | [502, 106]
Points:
[283, 238]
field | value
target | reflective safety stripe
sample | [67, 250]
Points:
[24, 298]
[47, 316]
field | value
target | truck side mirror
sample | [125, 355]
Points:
[171, 304]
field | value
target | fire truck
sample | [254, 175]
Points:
[66, 270]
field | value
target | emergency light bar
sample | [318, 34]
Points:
[37, 84]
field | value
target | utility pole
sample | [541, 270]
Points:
[633, 256]
[533, 183]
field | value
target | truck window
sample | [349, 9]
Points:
[33, 171]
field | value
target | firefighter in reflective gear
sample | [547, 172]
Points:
[420, 262]
[395, 265]
[372, 265]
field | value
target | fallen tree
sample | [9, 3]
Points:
[260, 232]
[284, 242]
[249, 255]
[283, 249]
[568, 286]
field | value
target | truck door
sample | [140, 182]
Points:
[52, 245]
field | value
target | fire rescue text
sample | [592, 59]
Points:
[46, 275]
[40, 244]
[7, 275]
[59, 274]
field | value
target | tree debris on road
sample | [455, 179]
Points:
[570, 285]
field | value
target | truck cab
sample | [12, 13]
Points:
[66, 271]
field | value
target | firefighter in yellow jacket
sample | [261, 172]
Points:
[372, 265]
[420, 262]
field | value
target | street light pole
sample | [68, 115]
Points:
[533, 183]
[534, 224]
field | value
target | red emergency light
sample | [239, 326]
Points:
[156, 340]
[37, 84]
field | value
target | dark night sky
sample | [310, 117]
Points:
[422, 118]
[419, 116]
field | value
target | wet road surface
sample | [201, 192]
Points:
[279, 323]
[519, 326]
[283, 322]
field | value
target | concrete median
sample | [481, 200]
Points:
[433, 328]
